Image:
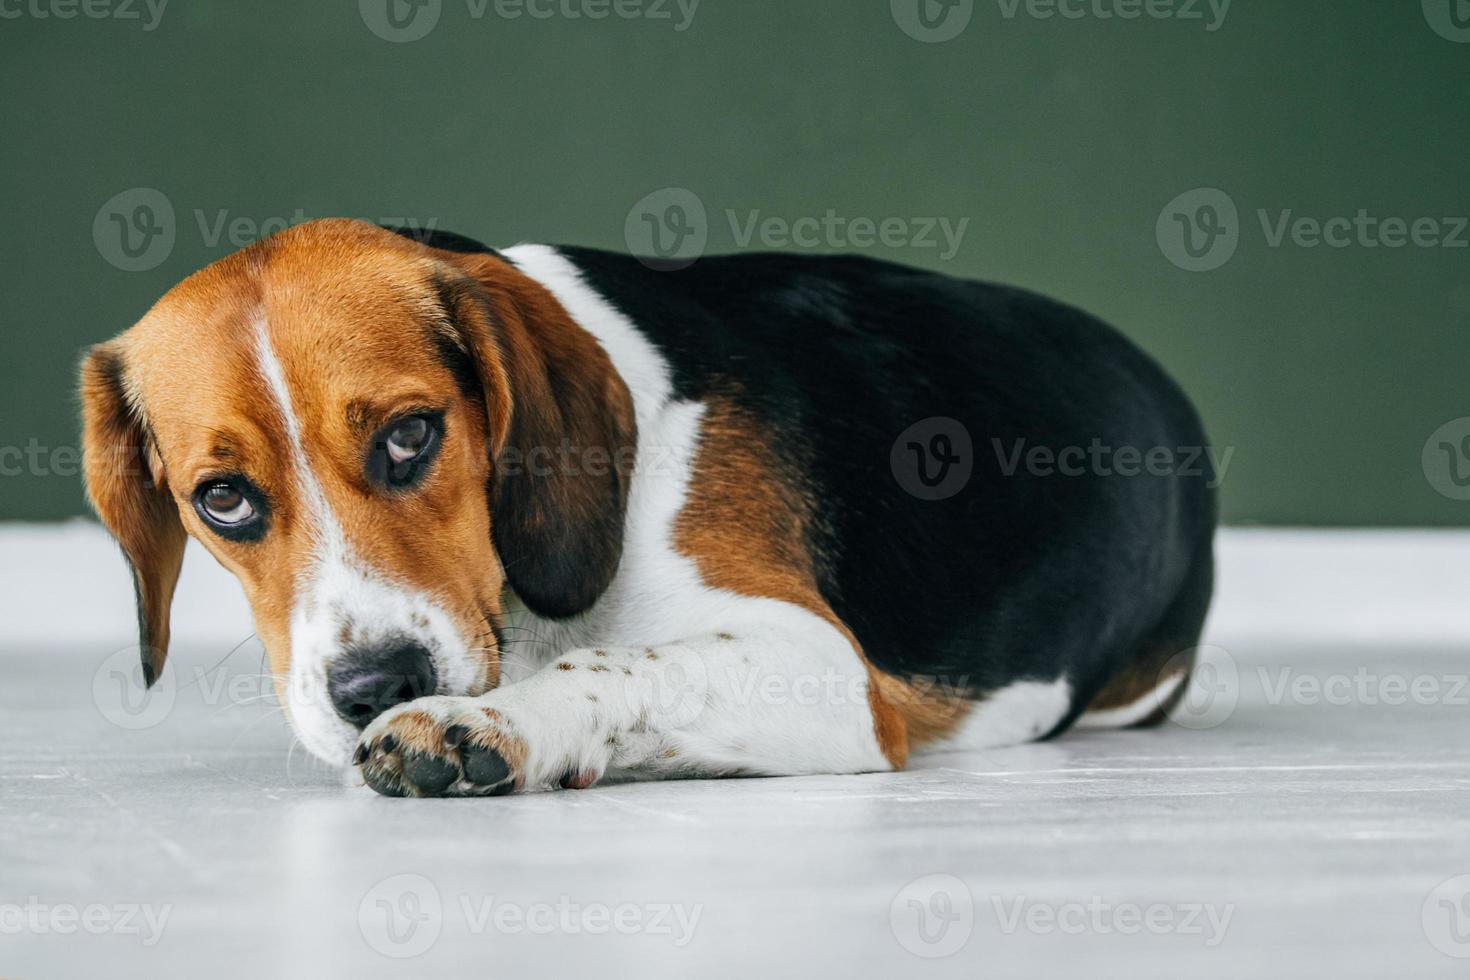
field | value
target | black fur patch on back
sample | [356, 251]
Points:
[1024, 573]
[447, 241]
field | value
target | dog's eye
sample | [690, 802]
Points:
[408, 440]
[402, 450]
[233, 508]
[227, 505]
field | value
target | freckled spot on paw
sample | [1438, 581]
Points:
[421, 621]
[599, 653]
[592, 698]
[611, 740]
[670, 753]
[652, 655]
[627, 671]
[563, 665]
[723, 636]
[598, 669]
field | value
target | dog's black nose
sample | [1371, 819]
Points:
[365, 683]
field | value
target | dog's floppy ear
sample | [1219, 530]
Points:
[562, 434]
[124, 482]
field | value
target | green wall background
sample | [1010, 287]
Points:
[1061, 140]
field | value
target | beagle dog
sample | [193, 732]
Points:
[509, 521]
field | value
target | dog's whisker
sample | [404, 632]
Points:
[199, 678]
[257, 699]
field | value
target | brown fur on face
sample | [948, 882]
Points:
[366, 327]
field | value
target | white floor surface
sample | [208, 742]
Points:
[1310, 819]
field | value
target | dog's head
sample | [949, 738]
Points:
[377, 438]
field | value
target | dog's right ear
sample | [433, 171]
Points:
[126, 486]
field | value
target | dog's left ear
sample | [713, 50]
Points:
[126, 489]
[562, 432]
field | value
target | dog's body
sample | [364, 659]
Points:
[708, 557]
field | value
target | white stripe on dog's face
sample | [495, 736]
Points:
[340, 604]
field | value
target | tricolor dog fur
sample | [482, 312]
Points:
[511, 521]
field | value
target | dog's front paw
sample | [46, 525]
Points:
[442, 746]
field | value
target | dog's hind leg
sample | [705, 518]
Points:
[1152, 684]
